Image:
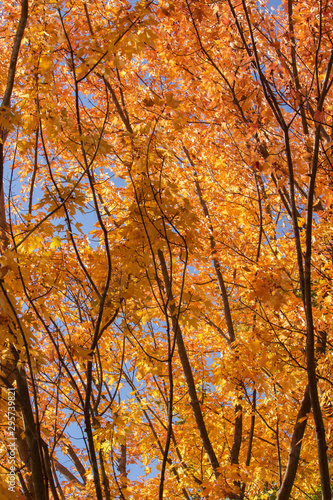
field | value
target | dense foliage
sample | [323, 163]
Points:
[166, 249]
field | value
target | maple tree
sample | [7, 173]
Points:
[166, 248]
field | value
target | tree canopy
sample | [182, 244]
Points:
[166, 249]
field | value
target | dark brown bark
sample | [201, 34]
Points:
[90, 437]
[234, 454]
[217, 267]
[48, 471]
[32, 437]
[307, 297]
[122, 467]
[295, 447]
[159, 444]
[310, 340]
[188, 371]
[66, 473]
[249, 446]
[105, 480]
[238, 429]
[24, 487]
[294, 66]
[6, 104]
[77, 462]
[304, 268]
[14, 55]
[22, 447]
[9, 377]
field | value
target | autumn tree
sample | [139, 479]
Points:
[166, 249]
